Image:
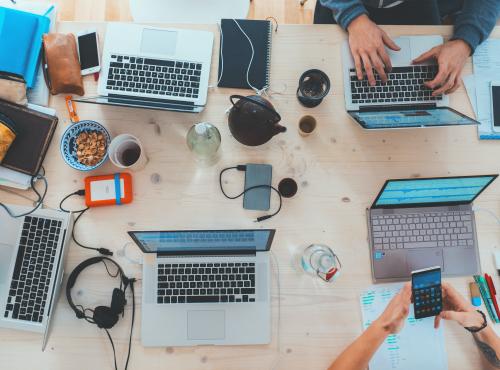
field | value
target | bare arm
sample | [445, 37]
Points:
[359, 353]
[458, 309]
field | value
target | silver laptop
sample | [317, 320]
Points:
[205, 287]
[32, 250]
[417, 223]
[156, 68]
[404, 101]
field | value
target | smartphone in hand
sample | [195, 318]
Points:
[426, 291]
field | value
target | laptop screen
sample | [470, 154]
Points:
[203, 241]
[405, 118]
[435, 191]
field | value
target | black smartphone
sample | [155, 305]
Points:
[258, 199]
[426, 290]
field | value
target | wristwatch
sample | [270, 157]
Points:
[475, 329]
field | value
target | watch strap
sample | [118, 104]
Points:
[475, 329]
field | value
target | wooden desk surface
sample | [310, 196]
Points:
[339, 169]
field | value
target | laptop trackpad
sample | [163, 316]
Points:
[422, 258]
[206, 325]
[6, 251]
[403, 56]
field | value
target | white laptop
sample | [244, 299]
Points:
[209, 287]
[32, 250]
[155, 68]
[404, 101]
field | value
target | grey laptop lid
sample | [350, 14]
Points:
[409, 117]
[431, 192]
[203, 242]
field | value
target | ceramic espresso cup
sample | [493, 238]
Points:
[307, 125]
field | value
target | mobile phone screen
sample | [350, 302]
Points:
[87, 47]
[495, 98]
[426, 288]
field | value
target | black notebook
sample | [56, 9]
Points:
[236, 52]
[34, 134]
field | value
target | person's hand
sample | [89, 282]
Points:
[451, 57]
[393, 318]
[367, 42]
[457, 308]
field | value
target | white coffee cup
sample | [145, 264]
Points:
[126, 151]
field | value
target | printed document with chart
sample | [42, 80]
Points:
[398, 350]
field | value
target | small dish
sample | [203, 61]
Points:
[69, 147]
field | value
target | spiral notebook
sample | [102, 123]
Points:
[236, 53]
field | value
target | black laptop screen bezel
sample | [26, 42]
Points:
[435, 204]
[406, 107]
[205, 252]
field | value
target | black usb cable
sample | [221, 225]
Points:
[81, 192]
[243, 168]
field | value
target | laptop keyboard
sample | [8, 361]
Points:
[154, 76]
[429, 230]
[33, 269]
[404, 84]
[206, 282]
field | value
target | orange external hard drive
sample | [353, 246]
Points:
[108, 190]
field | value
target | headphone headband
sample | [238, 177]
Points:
[77, 271]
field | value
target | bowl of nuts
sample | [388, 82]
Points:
[84, 145]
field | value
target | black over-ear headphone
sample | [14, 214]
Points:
[105, 317]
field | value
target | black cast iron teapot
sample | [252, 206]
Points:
[253, 120]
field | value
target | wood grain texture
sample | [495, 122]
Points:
[339, 169]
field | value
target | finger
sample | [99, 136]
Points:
[368, 69]
[385, 58]
[437, 321]
[359, 67]
[425, 56]
[439, 80]
[448, 85]
[455, 86]
[379, 67]
[389, 42]
[406, 292]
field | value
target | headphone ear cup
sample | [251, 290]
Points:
[118, 301]
[104, 317]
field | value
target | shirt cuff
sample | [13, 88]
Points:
[345, 18]
[470, 34]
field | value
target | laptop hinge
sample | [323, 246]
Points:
[207, 254]
[381, 108]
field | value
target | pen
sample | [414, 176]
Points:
[49, 10]
[493, 293]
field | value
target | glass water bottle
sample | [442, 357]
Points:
[203, 140]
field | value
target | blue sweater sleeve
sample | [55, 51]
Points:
[345, 11]
[476, 20]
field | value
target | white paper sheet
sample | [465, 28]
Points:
[398, 351]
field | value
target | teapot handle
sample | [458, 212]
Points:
[241, 97]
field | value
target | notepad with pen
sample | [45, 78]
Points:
[235, 56]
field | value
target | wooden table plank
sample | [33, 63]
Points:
[339, 168]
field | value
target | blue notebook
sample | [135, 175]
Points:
[21, 42]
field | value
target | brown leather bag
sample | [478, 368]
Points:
[61, 65]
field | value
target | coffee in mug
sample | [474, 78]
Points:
[126, 151]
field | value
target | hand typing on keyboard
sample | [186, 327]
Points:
[367, 42]
[451, 57]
